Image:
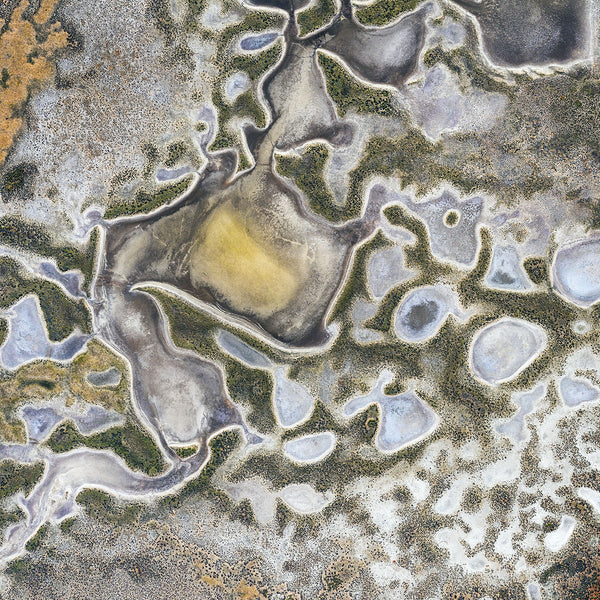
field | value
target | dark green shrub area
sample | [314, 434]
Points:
[405, 155]
[61, 313]
[186, 451]
[176, 152]
[307, 172]
[576, 108]
[159, 13]
[67, 524]
[20, 568]
[463, 63]
[3, 331]
[15, 477]
[144, 201]
[255, 64]
[194, 329]
[101, 506]
[36, 238]
[221, 446]
[8, 517]
[130, 442]
[254, 387]
[37, 540]
[152, 155]
[347, 92]
[17, 180]
[245, 105]
[223, 139]
[383, 12]
[416, 160]
[356, 282]
[386, 156]
[536, 269]
[315, 17]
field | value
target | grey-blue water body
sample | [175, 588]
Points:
[257, 42]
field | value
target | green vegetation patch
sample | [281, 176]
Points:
[348, 93]
[469, 69]
[159, 12]
[4, 78]
[244, 513]
[418, 161]
[145, 202]
[356, 283]
[543, 308]
[339, 468]
[221, 446]
[130, 442]
[9, 517]
[403, 156]
[36, 238]
[451, 219]
[61, 313]
[255, 65]
[16, 477]
[186, 451]
[21, 569]
[66, 525]
[103, 507]
[536, 269]
[3, 331]
[417, 256]
[17, 180]
[246, 105]
[152, 155]
[307, 172]
[574, 106]
[176, 152]
[228, 60]
[254, 22]
[38, 539]
[195, 328]
[383, 12]
[316, 16]
[255, 387]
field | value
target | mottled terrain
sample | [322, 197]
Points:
[299, 300]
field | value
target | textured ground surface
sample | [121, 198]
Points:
[300, 300]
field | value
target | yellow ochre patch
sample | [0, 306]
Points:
[246, 270]
[24, 63]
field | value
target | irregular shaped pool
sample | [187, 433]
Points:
[292, 402]
[405, 418]
[422, 312]
[311, 448]
[504, 348]
[574, 392]
[575, 273]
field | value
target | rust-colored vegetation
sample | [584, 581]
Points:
[25, 63]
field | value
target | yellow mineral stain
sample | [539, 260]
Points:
[25, 63]
[240, 266]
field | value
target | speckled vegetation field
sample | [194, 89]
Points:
[299, 299]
